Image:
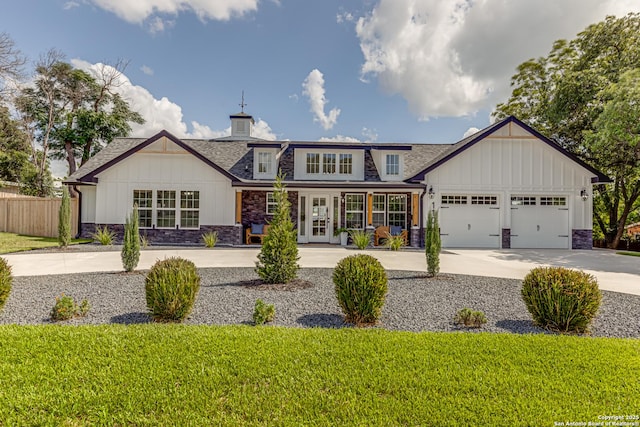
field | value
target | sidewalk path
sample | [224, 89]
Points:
[614, 272]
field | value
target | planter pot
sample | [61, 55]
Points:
[344, 237]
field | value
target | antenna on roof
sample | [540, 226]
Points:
[242, 104]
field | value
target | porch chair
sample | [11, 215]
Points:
[384, 232]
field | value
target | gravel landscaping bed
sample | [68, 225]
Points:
[414, 302]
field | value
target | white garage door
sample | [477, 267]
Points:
[468, 221]
[539, 222]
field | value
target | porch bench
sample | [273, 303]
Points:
[383, 232]
[249, 234]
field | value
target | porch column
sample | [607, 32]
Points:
[415, 220]
[369, 210]
[238, 206]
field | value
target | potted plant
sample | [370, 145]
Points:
[343, 233]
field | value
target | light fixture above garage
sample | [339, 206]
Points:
[584, 194]
[431, 192]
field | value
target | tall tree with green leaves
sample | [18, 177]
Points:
[278, 257]
[64, 219]
[564, 95]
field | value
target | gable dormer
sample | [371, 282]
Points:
[241, 124]
[390, 161]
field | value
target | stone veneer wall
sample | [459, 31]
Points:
[254, 207]
[581, 239]
[506, 238]
[227, 234]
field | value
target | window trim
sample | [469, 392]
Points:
[196, 201]
[392, 168]
[346, 165]
[267, 164]
[348, 211]
[270, 203]
[177, 209]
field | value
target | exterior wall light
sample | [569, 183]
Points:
[431, 193]
[584, 195]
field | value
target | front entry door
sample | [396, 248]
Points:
[319, 207]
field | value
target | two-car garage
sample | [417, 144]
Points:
[474, 221]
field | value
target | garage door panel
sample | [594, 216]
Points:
[470, 226]
[536, 226]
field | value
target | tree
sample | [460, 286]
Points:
[64, 219]
[15, 151]
[131, 244]
[11, 63]
[278, 257]
[615, 141]
[432, 244]
[72, 114]
[564, 96]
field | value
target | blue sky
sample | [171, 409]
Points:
[369, 70]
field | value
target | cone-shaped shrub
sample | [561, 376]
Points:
[5, 281]
[432, 244]
[171, 288]
[361, 287]
[561, 299]
[278, 257]
[64, 219]
[131, 244]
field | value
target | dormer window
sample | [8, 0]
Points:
[265, 162]
[346, 164]
[313, 163]
[393, 164]
[329, 163]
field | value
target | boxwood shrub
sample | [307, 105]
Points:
[561, 299]
[171, 288]
[5, 281]
[361, 287]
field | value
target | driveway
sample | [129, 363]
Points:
[614, 272]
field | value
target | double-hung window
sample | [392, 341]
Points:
[397, 205]
[354, 210]
[313, 163]
[329, 163]
[346, 164]
[189, 209]
[144, 200]
[166, 208]
[265, 162]
[393, 164]
[379, 208]
[271, 204]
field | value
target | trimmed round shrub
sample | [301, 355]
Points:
[171, 288]
[361, 287]
[560, 299]
[5, 281]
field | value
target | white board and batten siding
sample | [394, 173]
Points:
[162, 165]
[492, 178]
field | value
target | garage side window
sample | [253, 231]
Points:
[553, 201]
[144, 200]
[189, 209]
[448, 199]
[484, 200]
[523, 201]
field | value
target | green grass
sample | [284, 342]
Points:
[629, 253]
[239, 375]
[10, 242]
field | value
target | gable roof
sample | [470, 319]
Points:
[471, 140]
[122, 148]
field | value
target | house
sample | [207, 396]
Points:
[633, 230]
[506, 186]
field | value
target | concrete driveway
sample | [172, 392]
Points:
[614, 272]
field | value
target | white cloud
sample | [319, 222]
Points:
[339, 138]
[470, 132]
[136, 11]
[70, 5]
[370, 134]
[344, 17]
[313, 88]
[453, 58]
[162, 113]
[147, 70]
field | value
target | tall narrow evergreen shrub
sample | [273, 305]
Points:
[432, 244]
[64, 219]
[278, 257]
[131, 244]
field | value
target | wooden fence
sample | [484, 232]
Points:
[34, 216]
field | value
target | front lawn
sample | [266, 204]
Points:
[629, 253]
[239, 375]
[10, 242]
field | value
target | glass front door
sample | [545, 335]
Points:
[319, 207]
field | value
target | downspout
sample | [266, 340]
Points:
[79, 231]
